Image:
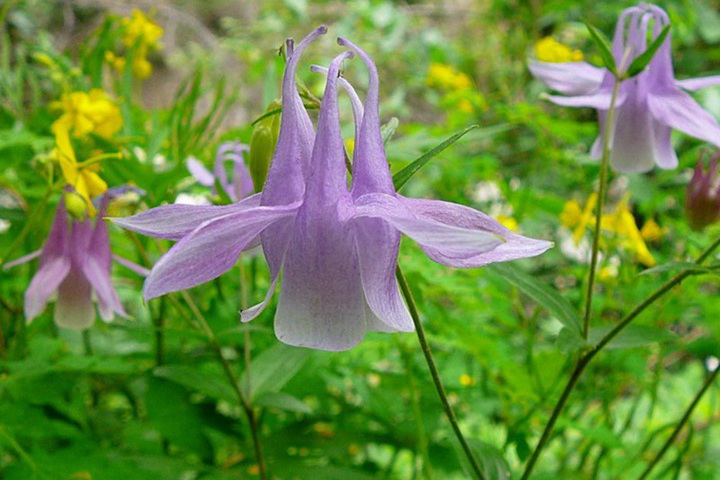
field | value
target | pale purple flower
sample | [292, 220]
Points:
[702, 202]
[241, 184]
[649, 106]
[74, 269]
[337, 247]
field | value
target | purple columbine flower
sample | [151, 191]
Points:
[337, 247]
[241, 184]
[702, 201]
[75, 264]
[649, 106]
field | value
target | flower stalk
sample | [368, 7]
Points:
[587, 357]
[425, 346]
[602, 191]
[678, 428]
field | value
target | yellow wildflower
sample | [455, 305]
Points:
[350, 146]
[622, 223]
[140, 28]
[142, 34]
[86, 113]
[577, 218]
[550, 50]
[508, 222]
[607, 273]
[652, 232]
[466, 380]
[447, 78]
[83, 178]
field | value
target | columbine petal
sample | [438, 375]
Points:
[634, 138]
[665, 155]
[201, 174]
[377, 247]
[173, 222]
[74, 308]
[698, 83]
[678, 110]
[211, 249]
[450, 231]
[600, 100]
[285, 180]
[321, 302]
[569, 78]
[44, 284]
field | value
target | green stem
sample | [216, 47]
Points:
[217, 348]
[26, 229]
[686, 416]
[422, 440]
[449, 413]
[585, 360]
[599, 208]
[160, 332]
[234, 382]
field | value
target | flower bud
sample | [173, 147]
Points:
[262, 145]
[702, 202]
[76, 205]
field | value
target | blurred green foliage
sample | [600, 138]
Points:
[146, 398]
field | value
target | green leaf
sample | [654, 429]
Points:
[283, 401]
[401, 177]
[603, 44]
[388, 130]
[545, 296]
[491, 459]
[198, 380]
[274, 368]
[632, 336]
[642, 60]
[681, 267]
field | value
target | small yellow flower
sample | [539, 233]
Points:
[466, 380]
[508, 222]
[550, 50]
[652, 232]
[350, 146]
[447, 78]
[142, 34]
[576, 218]
[86, 113]
[83, 178]
[139, 28]
[622, 223]
[607, 273]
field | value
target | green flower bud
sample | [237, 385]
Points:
[76, 205]
[262, 144]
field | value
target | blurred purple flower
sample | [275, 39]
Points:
[337, 247]
[75, 267]
[241, 184]
[649, 106]
[702, 202]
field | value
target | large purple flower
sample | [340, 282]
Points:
[75, 265]
[649, 106]
[337, 247]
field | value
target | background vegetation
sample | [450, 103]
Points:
[146, 398]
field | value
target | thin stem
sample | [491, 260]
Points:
[217, 348]
[686, 416]
[449, 413]
[585, 360]
[244, 402]
[160, 333]
[598, 209]
[247, 346]
[422, 440]
[87, 343]
[26, 229]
